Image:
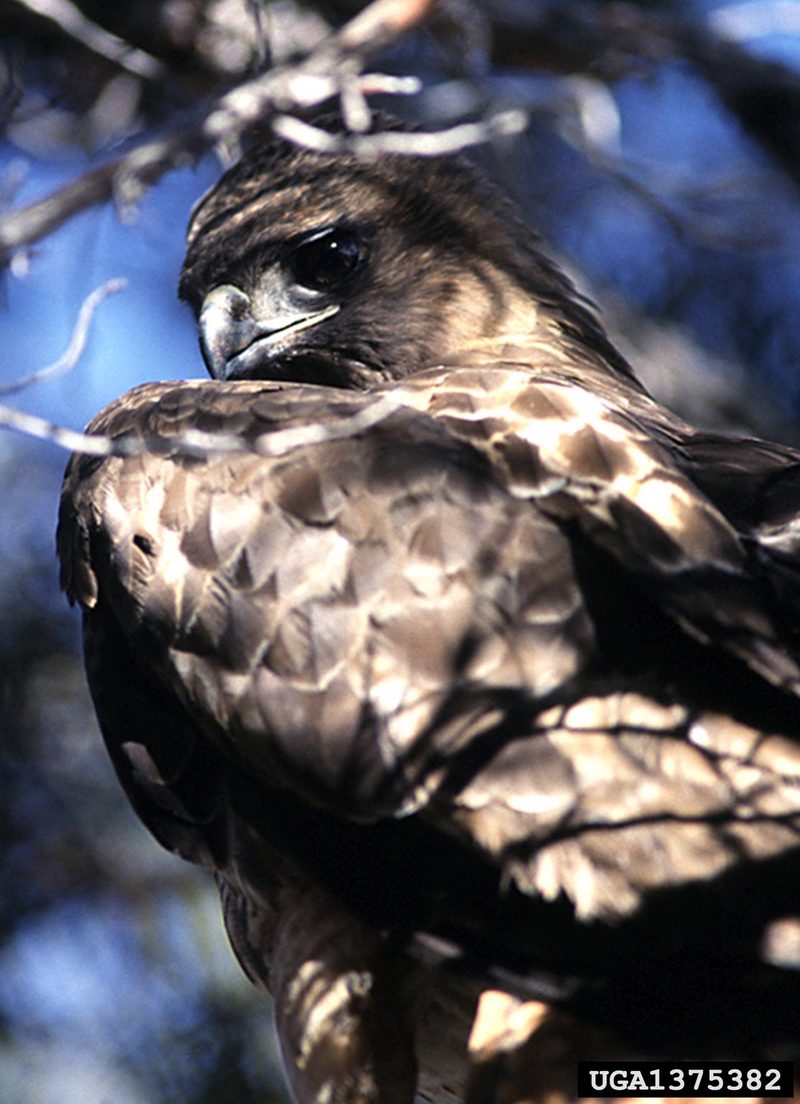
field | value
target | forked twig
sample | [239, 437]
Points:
[77, 342]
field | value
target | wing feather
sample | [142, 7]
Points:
[506, 606]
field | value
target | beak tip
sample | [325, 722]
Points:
[226, 327]
[215, 360]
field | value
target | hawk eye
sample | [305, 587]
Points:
[326, 260]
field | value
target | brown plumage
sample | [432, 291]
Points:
[471, 668]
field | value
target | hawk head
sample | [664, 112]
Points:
[348, 272]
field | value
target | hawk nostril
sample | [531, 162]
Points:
[238, 306]
[229, 300]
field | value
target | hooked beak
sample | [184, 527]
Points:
[236, 342]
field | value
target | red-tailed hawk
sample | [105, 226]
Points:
[465, 666]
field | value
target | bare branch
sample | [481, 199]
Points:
[664, 194]
[77, 342]
[25, 225]
[195, 442]
[33, 426]
[317, 78]
[379, 25]
[609, 41]
[71, 21]
[571, 38]
[413, 143]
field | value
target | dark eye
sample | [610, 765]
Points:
[325, 261]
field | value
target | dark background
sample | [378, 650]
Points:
[660, 164]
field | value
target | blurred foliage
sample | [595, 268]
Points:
[116, 981]
[650, 164]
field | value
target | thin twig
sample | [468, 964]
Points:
[283, 441]
[378, 26]
[33, 426]
[195, 442]
[77, 342]
[72, 22]
[410, 143]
